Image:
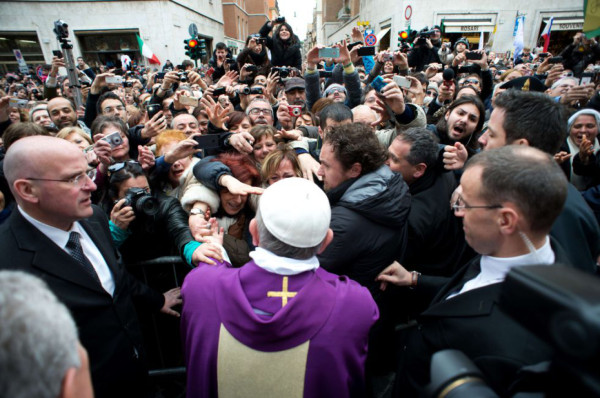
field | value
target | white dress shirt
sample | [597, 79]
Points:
[494, 269]
[60, 238]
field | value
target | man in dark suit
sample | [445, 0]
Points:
[56, 234]
[508, 200]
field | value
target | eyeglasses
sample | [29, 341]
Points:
[335, 90]
[78, 181]
[432, 92]
[470, 81]
[258, 111]
[460, 205]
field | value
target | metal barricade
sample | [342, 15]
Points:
[161, 332]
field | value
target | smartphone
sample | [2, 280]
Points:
[472, 55]
[207, 141]
[378, 84]
[251, 68]
[542, 55]
[329, 52]
[352, 45]
[114, 79]
[153, 109]
[18, 103]
[555, 60]
[295, 110]
[365, 51]
[57, 53]
[586, 78]
[402, 81]
[219, 91]
[161, 75]
[114, 139]
[188, 101]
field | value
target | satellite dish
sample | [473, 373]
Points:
[193, 30]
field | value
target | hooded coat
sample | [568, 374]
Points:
[369, 221]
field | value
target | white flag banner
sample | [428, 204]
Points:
[518, 42]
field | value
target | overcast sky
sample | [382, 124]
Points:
[298, 14]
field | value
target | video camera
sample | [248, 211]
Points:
[61, 29]
[559, 305]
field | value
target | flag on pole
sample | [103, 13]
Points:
[490, 42]
[146, 51]
[481, 39]
[546, 33]
[518, 42]
[591, 18]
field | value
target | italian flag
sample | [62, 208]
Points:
[146, 51]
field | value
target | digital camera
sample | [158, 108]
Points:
[141, 202]
[295, 110]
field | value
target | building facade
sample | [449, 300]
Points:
[470, 19]
[103, 31]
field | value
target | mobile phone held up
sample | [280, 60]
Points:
[329, 52]
[378, 84]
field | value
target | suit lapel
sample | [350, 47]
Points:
[472, 303]
[476, 302]
[48, 257]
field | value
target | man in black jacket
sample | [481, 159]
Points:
[436, 244]
[369, 210]
[56, 234]
[508, 201]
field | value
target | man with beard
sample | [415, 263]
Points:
[369, 211]
[463, 120]
[63, 114]
[295, 91]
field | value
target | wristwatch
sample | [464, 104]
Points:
[196, 211]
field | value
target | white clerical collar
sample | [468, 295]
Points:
[494, 269]
[282, 265]
[56, 235]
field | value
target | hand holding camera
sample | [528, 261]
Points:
[56, 63]
[170, 78]
[122, 215]
[344, 57]
[284, 116]
[156, 124]
[313, 58]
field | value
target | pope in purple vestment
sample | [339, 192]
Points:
[280, 326]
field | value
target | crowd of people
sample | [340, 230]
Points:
[343, 219]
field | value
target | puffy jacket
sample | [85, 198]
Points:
[369, 221]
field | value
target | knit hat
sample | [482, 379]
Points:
[462, 40]
[335, 86]
[590, 112]
[296, 211]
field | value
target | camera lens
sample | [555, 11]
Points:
[146, 205]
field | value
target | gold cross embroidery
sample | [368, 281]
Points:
[284, 294]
